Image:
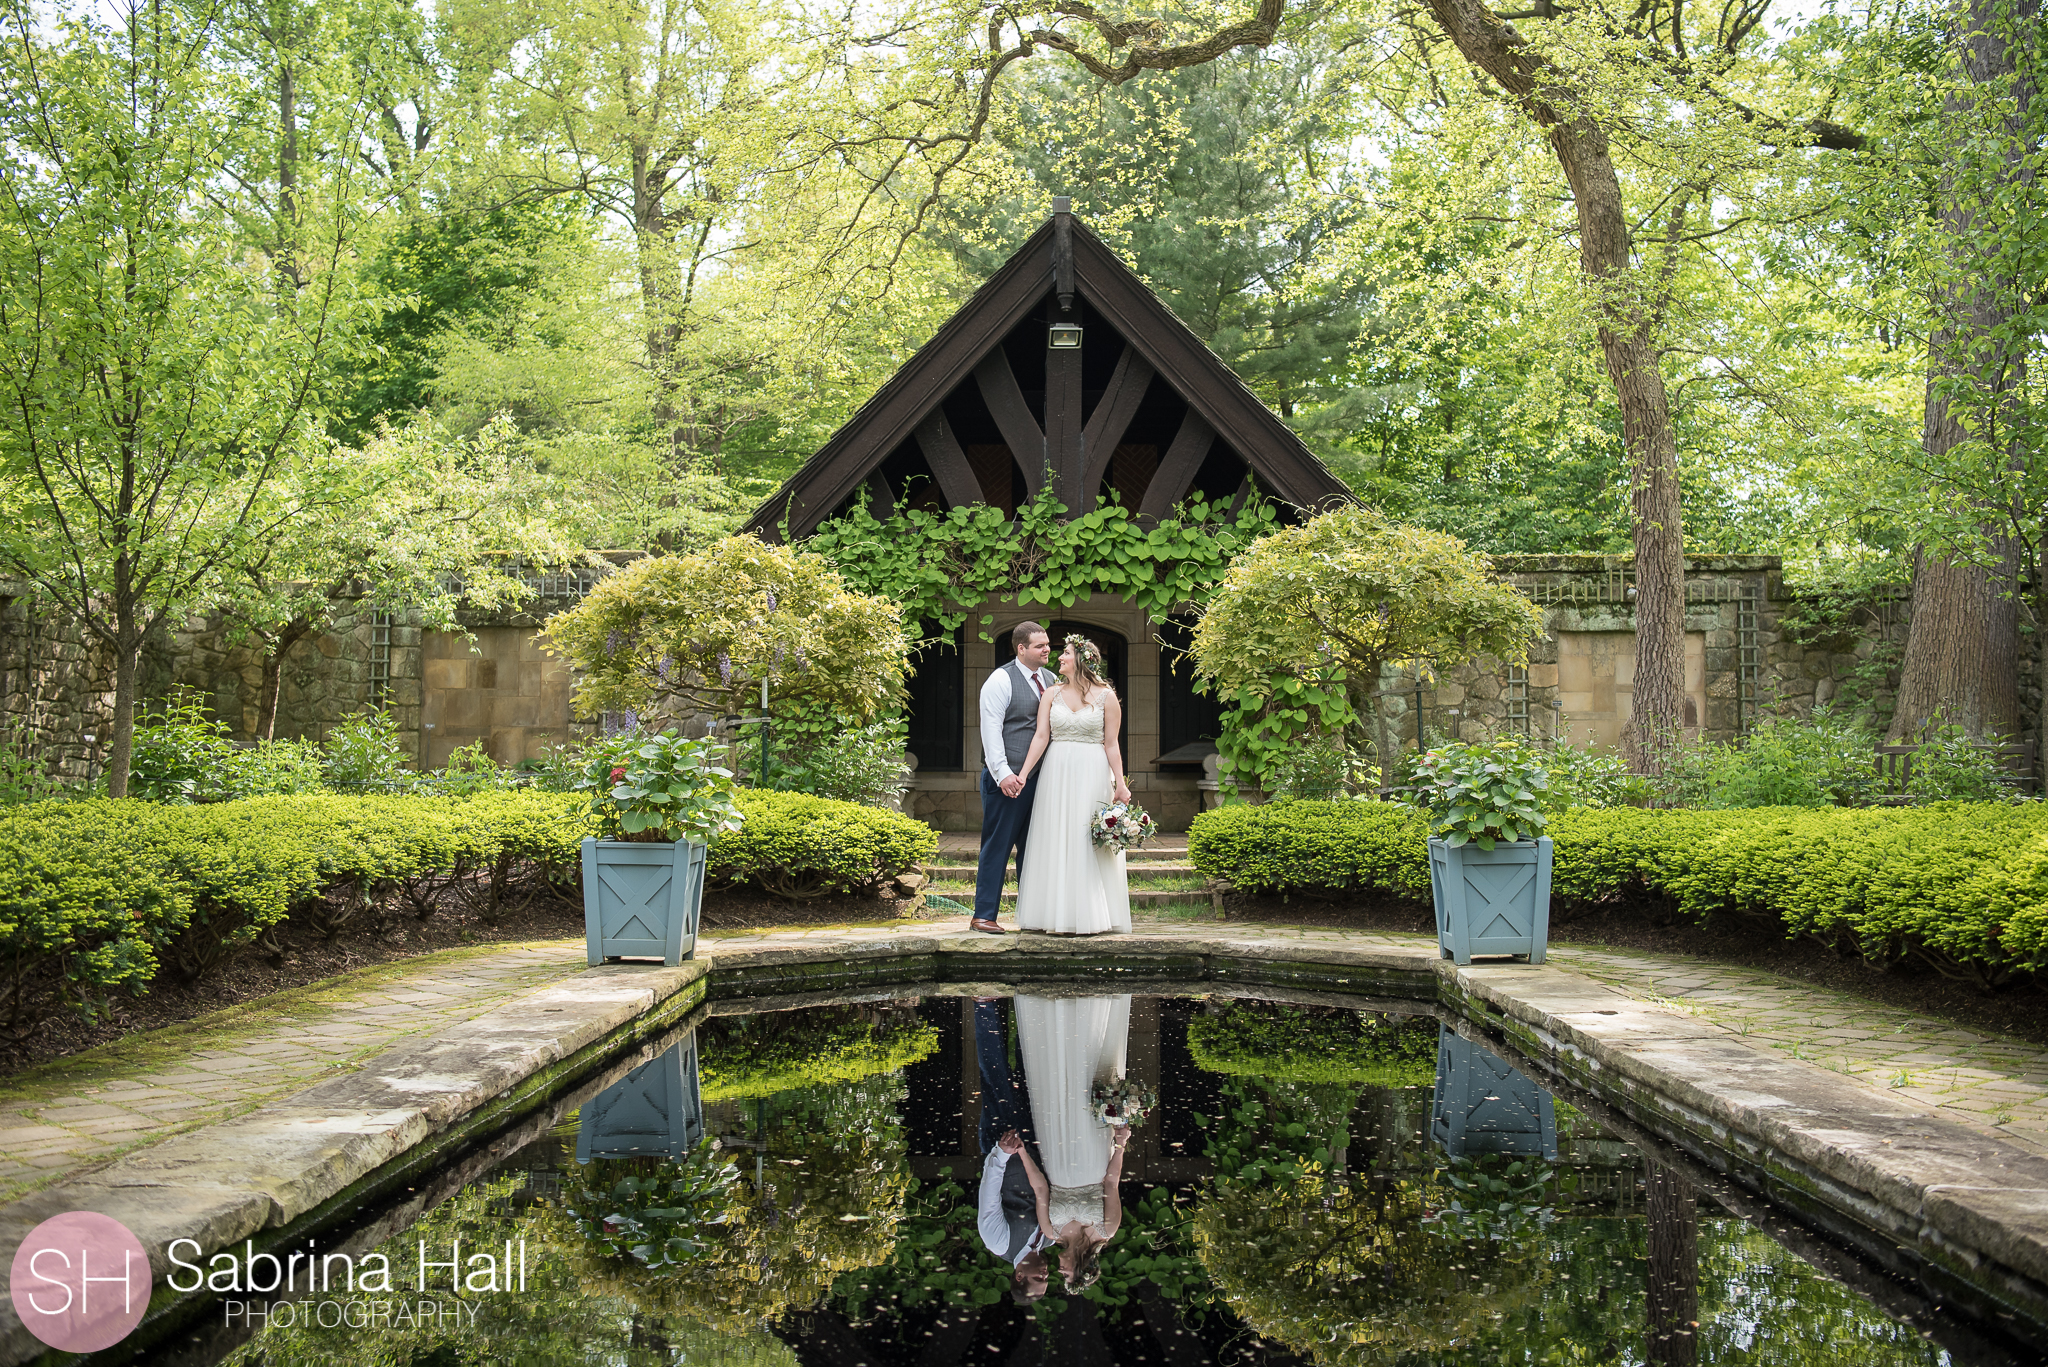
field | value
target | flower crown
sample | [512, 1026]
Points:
[1087, 655]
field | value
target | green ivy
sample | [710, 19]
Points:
[938, 566]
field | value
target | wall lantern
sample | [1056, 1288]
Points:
[1063, 336]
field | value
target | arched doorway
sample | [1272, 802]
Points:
[1116, 655]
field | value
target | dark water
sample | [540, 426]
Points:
[1314, 1185]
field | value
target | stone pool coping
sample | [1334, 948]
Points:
[1962, 1212]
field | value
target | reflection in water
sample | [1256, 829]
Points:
[855, 1185]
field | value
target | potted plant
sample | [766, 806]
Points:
[1489, 863]
[659, 800]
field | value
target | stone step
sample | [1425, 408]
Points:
[1140, 897]
[1136, 871]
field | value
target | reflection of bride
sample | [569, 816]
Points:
[1069, 1045]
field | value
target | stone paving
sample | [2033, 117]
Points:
[71, 1115]
[74, 1115]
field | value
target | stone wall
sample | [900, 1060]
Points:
[56, 683]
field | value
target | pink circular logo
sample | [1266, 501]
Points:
[80, 1281]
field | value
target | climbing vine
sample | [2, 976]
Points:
[939, 566]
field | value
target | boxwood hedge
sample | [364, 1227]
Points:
[1961, 886]
[97, 896]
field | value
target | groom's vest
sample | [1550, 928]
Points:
[1020, 722]
[1020, 1208]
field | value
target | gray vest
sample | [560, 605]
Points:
[1020, 723]
[1020, 1208]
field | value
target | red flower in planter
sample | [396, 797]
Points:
[618, 775]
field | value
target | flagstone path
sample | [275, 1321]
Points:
[75, 1114]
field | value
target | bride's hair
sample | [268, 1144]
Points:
[1088, 663]
[1087, 1267]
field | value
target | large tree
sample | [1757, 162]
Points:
[155, 380]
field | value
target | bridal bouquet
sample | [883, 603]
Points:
[1122, 825]
[1123, 1102]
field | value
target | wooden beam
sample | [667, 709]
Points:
[1064, 452]
[1006, 405]
[1178, 467]
[948, 461]
[881, 502]
[1112, 418]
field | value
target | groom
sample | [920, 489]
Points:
[1009, 718]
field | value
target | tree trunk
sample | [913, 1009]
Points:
[121, 744]
[1674, 1288]
[1962, 645]
[273, 676]
[1626, 321]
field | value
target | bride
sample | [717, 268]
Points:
[1066, 883]
[1070, 1044]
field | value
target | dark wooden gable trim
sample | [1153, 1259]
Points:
[1286, 468]
[969, 345]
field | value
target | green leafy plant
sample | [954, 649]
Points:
[364, 755]
[1949, 766]
[273, 767]
[180, 754]
[1592, 778]
[1816, 761]
[841, 759]
[664, 1218]
[1483, 792]
[1314, 1045]
[1321, 767]
[471, 770]
[23, 775]
[659, 787]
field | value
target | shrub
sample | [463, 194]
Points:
[1482, 792]
[1962, 887]
[848, 761]
[662, 787]
[796, 845]
[1291, 846]
[742, 1057]
[363, 755]
[1949, 767]
[1314, 1045]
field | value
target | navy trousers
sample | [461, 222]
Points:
[1005, 1102]
[1005, 821]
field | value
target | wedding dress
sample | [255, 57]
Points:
[1067, 883]
[1070, 1044]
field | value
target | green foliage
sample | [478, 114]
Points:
[1961, 887]
[181, 755]
[1346, 595]
[933, 564]
[1293, 845]
[96, 893]
[1483, 791]
[1263, 736]
[666, 787]
[664, 1218]
[365, 755]
[470, 770]
[1949, 767]
[1810, 761]
[681, 634]
[1319, 767]
[23, 775]
[795, 845]
[753, 1056]
[1591, 778]
[840, 759]
[1315, 1045]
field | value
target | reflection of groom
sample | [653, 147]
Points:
[1009, 719]
[1011, 1184]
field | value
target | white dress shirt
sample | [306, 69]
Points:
[995, 701]
[995, 1229]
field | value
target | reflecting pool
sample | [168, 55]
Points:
[1081, 1179]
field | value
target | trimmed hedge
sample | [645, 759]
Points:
[95, 896]
[1314, 1045]
[1961, 886]
[796, 845]
[738, 1060]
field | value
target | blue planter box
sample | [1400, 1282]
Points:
[655, 1109]
[1493, 901]
[1482, 1105]
[640, 901]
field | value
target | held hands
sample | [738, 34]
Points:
[1011, 1142]
[1011, 786]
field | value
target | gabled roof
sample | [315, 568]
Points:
[1213, 394]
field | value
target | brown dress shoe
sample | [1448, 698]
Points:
[986, 927]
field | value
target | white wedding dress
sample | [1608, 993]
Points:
[1070, 1044]
[1067, 883]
